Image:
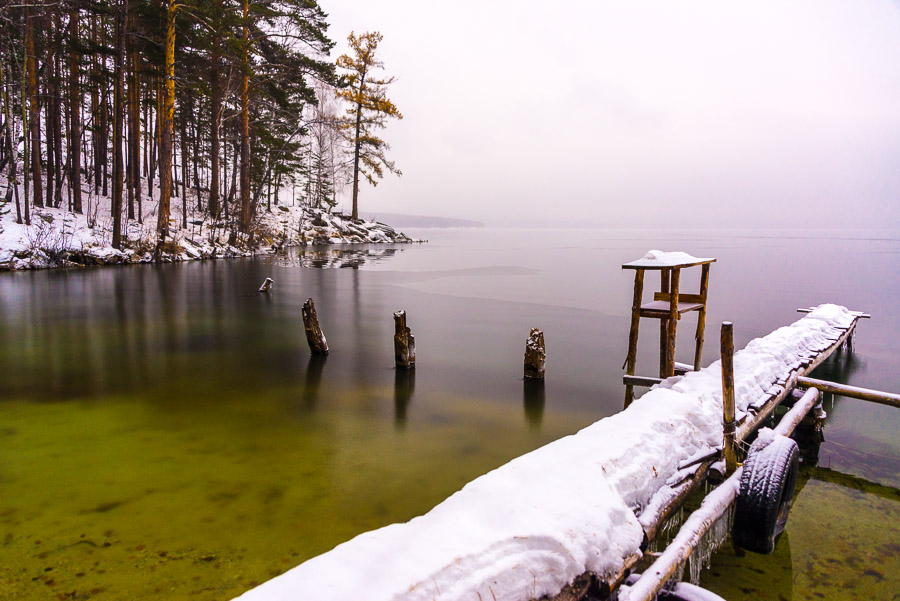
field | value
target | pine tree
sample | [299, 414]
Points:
[369, 111]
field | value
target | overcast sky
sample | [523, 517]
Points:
[714, 113]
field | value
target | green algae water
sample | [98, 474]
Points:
[165, 434]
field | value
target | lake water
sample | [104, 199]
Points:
[164, 432]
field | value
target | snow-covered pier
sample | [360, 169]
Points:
[577, 513]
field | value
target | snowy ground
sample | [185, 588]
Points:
[59, 238]
[533, 525]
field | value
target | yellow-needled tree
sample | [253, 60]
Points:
[368, 112]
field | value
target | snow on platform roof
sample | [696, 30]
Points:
[657, 259]
[533, 525]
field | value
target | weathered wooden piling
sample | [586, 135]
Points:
[728, 422]
[314, 336]
[535, 355]
[267, 285]
[404, 342]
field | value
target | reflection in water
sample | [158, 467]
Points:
[313, 380]
[404, 386]
[330, 257]
[840, 367]
[534, 397]
[824, 474]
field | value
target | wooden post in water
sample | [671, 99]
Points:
[314, 336]
[535, 355]
[267, 285]
[631, 358]
[404, 342]
[727, 352]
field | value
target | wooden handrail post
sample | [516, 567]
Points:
[727, 353]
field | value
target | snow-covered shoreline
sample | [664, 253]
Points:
[532, 526]
[61, 238]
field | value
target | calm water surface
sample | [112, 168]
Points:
[164, 432]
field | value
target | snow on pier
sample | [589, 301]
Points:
[532, 526]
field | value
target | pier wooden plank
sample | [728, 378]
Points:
[751, 422]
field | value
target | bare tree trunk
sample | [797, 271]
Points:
[118, 123]
[48, 102]
[56, 103]
[356, 144]
[131, 175]
[104, 118]
[245, 125]
[214, 130]
[95, 111]
[195, 142]
[34, 110]
[236, 152]
[12, 184]
[23, 103]
[168, 117]
[75, 109]
[185, 107]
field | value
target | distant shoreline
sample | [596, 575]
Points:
[422, 221]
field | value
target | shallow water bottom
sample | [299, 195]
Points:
[842, 542]
[127, 499]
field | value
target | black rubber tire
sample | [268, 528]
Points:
[766, 492]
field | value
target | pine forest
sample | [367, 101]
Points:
[158, 116]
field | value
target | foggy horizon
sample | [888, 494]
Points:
[640, 115]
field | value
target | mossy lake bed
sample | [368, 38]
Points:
[164, 433]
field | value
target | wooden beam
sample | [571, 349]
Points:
[853, 313]
[683, 368]
[646, 381]
[655, 515]
[863, 394]
[682, 298]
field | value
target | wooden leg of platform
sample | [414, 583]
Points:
[701, 318]
[663, 345]
[631, 358]
[673, 324]
[663, 324]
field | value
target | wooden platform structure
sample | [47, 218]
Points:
[668, 305]
[657, 569]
